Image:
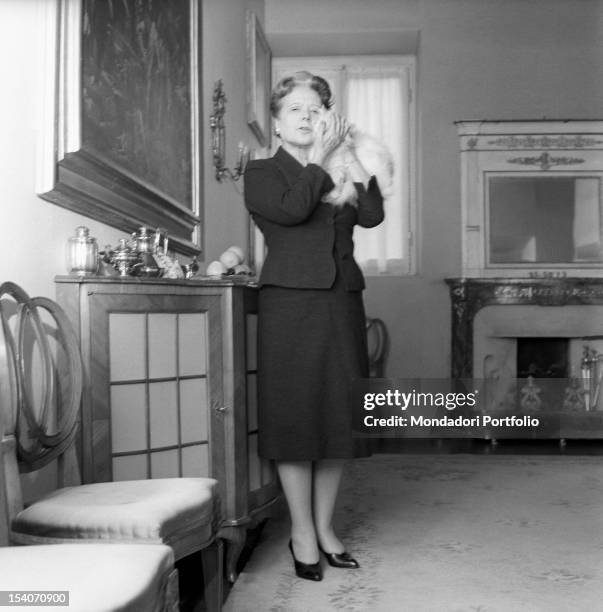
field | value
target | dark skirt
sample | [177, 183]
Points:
[311, 347]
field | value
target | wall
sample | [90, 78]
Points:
[224, 53]
[476, 59]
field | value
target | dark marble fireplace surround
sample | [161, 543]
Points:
[470, 295]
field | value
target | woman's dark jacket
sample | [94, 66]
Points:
[301, 233]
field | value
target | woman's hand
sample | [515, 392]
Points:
[329, 132]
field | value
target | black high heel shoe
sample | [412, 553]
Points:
[307, 571]
[342, 560]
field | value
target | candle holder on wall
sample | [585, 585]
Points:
[218, 139]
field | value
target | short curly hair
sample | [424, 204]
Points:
[303, 78]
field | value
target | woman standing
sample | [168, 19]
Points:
[311, 329]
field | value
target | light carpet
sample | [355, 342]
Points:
[450, 533]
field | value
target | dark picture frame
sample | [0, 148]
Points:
[127, 125]
[259, 59]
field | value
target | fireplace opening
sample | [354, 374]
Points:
[542, 357]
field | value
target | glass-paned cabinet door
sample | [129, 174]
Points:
[159, 394]
[156, 375]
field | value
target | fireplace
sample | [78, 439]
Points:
[542, 357]
[508, 329]
[529, 306]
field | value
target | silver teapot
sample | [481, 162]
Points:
[146, 248]
[123, 258]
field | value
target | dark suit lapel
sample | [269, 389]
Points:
[287, 164]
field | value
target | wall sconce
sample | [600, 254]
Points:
[218, 139]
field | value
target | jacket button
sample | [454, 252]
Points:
[330, 221]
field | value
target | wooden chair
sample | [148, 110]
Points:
[141, 577]
[42, 376]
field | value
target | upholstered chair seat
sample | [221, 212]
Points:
[169, 511]
[98, 577]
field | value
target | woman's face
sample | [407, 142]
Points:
[300, 109]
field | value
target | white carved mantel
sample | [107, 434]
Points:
[523, 149]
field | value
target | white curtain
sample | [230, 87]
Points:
[377, 101]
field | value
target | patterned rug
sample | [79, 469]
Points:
[448, 533]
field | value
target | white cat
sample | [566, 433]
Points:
[372, 154]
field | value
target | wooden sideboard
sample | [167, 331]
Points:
[171, 367]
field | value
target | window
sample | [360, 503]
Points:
[376, 94]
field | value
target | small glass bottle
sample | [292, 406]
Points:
[82, 253]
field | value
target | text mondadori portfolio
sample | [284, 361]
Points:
[481, 420]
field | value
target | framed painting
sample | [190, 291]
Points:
[125, 87]
[259, 58]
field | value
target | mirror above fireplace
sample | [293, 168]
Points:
[532, 199]
[544, 220]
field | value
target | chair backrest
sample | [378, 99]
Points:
[40, 391]
[3, 499]
[378, 345]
